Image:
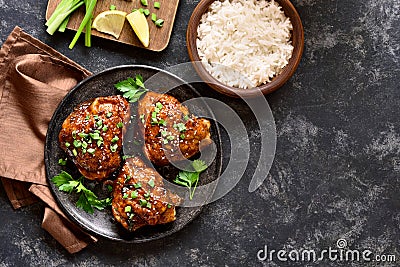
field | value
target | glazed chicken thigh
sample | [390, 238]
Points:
[170, 132]
[139, 197]
[92, 135]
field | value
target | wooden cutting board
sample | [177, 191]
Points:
[159, 37]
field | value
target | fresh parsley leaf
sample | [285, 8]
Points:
[106, 202]
[62, 178]
[69, 187]
[87, 200]
[139, 80]
[132, 89]
[84, 204]
[80, 187]
[190, 179]
[125, 85]
[187, 178]
[199, 165]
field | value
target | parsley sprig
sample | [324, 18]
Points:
[190, 179]
[87, 199]
[132, 88]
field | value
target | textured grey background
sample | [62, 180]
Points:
[337, 165]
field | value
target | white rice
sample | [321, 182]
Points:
[244, 43]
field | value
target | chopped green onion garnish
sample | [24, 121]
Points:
[83, 135]
[112, 7]
[157, 5]
[180, 127]
[137, 185]
[154, 121]
[84, 144]
[91, 150]
[109, 114]
[144, 2]
[105, 128]
[62, 162]
[142, 202]
[99, 123]
[182, 136]
[120, 125]
[159, 22]
[151, 182]
[74, 152]
[147, 195]
[113, 148]
[153, 17]
[128, 209]
[124, 157]
[162, 122]
[99, 142]
[74, 134]
[87, 117]
[95, 136]
[67, 144]
[186, 117]
[146, 12]
[115, 139]
[125, 196]
[164, 133]
[169, 206]
[159, 105]
[134, 194]
[170, 137]
[77, 143]
[148, 205]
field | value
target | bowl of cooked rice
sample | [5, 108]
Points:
[243, 47]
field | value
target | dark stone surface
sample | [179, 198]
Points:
[337, 165]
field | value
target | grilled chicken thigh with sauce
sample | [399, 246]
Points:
[92, 135]
[170, 132]
[139, 197]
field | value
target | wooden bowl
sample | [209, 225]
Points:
[297, 42]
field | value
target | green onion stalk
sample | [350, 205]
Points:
[86, 22]
[63, 25]
[61, 14]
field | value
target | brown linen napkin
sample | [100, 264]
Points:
[33, 80]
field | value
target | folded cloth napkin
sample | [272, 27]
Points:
[33, 80]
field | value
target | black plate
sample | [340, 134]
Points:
[102, 84]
